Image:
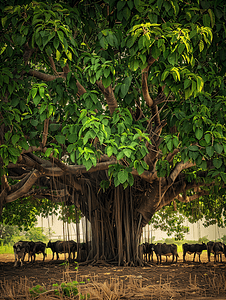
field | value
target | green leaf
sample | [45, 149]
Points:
[14, 151]
[172, 58]
[42, 91]
[70, 148]
[58, 55]
[72, 138]
[155, 51]
[130, 179]
[23, 143]
[223, 176]
[120, 155]
[140, 169]
[206, 20]
[106, 81]
[15, 138]
[187, 83]
[60, 35]
[210, 151]
[48, 152]
[170, 144]
[109, 151]
[72, 156]
[60, 139]
[127, 152]
[116, 182]
[193, 148]
[180, 48]
[199, 133]
[88, 164]
[34, 92]
[219, 148]
[37, 99]
[34, 122]
[217, 162]
[207, 138]
[56, 43]
[122, 176]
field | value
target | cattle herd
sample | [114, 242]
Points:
[216, 248]
[22, 248]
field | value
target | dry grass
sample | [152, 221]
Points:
[113, 289]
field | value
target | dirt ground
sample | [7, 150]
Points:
[166, 281]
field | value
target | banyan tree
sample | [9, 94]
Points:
[115, 107]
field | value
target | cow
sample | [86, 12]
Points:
[148, 251]
[217, 248]
[21, 248]
[193, 248]
[166, 250]
[36, 248]
[63, 247]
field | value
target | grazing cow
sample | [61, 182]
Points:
[21, 248]
[193, 248]
[37, 247]
[217, 248]
[166, 250]
[63, 247]
[148, 251]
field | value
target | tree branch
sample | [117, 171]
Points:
[109, 95]
[179, 167]
[53, 65]
[25, 188]
[170, 156]
[188, 199]
[145, 91]
[47, 77]
[45, 132]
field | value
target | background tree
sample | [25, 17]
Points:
[117, 107]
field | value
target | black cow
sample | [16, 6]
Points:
[37, 247]
[166, 250]
[147, 250]
[217, 248]
[21, 248]
[63, 247]
[193, 248]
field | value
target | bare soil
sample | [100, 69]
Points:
[181, 280]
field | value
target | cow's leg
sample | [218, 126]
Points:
[44, 255]
[209, 256]
[15, 254]
[194, 256]
[184, 253]
[199, 257]
[57, 254]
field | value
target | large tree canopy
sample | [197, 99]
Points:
[117, 107]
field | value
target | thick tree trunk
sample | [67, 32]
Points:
[116, 226]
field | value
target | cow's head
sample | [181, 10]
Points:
[49, 244]
[18, 246]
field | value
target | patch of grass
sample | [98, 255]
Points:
[6, 249]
